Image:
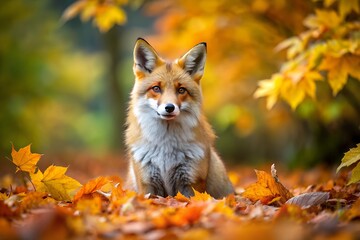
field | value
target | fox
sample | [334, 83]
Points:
[168, 138]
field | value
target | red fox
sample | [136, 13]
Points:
[169, 141]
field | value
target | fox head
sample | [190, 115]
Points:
[169, 91]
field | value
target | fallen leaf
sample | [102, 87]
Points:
[35, 200]
[307, 200]
[90, 187]
[56, 183]
[5, 210]
[200, 196]
[293, 213]
[353, 212]
[187, 215]
[181, 198]
[25, 160]
[89, 206]
[267, 188]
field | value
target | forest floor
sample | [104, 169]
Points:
[269, 203]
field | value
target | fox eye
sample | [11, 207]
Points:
[182, 90]
[156, 89]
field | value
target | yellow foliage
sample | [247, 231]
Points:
[56, 183]
[105, 14]
[329, 46]
[24, 159]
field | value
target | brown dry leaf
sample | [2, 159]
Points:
[24, 159]
[307, 200]
[266, 189]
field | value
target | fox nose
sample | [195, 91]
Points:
[169, 107]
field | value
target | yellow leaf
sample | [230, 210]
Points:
[56, 183]
[292, 93]
[24, 159]
[353, 66]
[327, 3]
[89, 11]
[339, 68]
[337, 78]
[350, 157]
[3, 196]
[270, 88]
[107, 16]
[308, 83]
[89, 206]
[328, 18]
[346, 6]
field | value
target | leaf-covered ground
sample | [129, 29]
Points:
[51, 205]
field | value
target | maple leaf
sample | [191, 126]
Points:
[270, 88]
[266, 189]
[55, 182]
[25, 160]
[339, 67]
[346, 6]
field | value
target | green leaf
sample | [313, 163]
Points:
[351, 157]
[355, 175]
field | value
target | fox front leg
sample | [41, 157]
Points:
[179, 180]
[154, 183]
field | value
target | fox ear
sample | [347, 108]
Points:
[193, 62]
[145, 57]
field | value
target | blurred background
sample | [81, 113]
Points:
[64, 85]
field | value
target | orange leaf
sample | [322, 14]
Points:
[187, 215]
[200, 196]
[24, 159]
[89, 206]
[91, 187]
[266, 189]
[181, 198]
[35, 200]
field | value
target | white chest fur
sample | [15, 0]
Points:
[166, 143]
